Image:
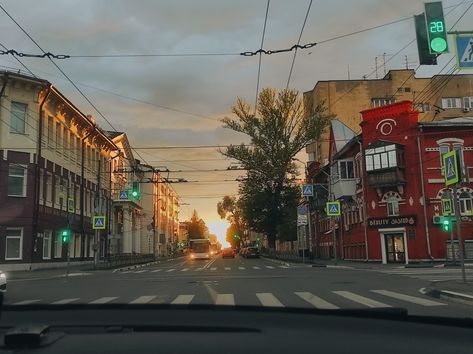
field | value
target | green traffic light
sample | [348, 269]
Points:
[446, 225]
[438, 45]
[134, 194]
[65, 236]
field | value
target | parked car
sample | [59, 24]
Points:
[228, 252]
[3, 286]
[251, 252]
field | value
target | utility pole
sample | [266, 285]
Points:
[98, 210]
[459, 237]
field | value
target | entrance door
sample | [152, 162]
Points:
[395, 252]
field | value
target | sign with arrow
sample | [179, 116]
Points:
[307, 190]
[450, 168]
[333, 208]
[464, 50]
[98, 222]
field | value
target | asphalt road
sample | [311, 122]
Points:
[238, 281]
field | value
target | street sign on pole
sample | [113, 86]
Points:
[70, 205]
[464, 50]
[307, 190]
[98, 222]
[123, 195]
[333, 208]
[450, 168]
[447, 206]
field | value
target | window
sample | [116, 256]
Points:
[14, 243]
[58, 137]
[443, 148]
[378, 102]
[41, 187]
[65, 138]
[468, 102]
[58, 245]
[346, 170]
[78, 150]
[49, 188]
[50, 131]
[18, 117]
[423, 107]
[382, 157]
[451, 102]
[393, 207]
[17, 180]
[47, 244]
[466, 205]
[459, 149]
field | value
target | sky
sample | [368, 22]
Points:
[179, 101]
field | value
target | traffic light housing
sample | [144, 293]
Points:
[65, 236]
[425, 58]
[436, 29]
[135, 190]
[446, 224]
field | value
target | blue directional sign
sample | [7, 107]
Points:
[464, 50]
[333, 208]
[307, 190]
[123, 195]
[450, 168]
[98, 222]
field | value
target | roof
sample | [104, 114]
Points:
[347, 146]
[452, 122]
[112, 135]
[341, 134]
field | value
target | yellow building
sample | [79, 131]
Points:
[437, 98]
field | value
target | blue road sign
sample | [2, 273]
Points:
[450, 168]
[302, 209]
[464, 50]
[98, 222]
[333, 208]
[123, 195]
[307, 190]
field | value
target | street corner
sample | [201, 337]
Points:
[453, 291]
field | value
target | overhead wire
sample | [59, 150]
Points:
[260, 55]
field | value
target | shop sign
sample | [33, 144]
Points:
[392, 221]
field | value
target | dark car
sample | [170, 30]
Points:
[251, 252]
[228, 252]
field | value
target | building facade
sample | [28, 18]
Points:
[389, 182]
[436, 98]
[52, 179]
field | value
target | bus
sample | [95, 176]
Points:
[199, 248]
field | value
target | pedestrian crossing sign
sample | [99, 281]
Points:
[98, 222]
[464, 50]
[450, 168]
[447, 208]
[333, 208]
[307, 190]
[123, 195]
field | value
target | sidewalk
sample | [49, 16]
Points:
[452, 290]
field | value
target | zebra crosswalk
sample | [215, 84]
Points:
[335, 299]
[199, 269]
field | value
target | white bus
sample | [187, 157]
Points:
[199, 248]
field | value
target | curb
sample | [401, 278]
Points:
[276, 261]
[136, 266]
[453, 296]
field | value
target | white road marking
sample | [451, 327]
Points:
[316, 301]
[184, 269]
[182, 300]
[65, 301]
[241, 268]
[270, 267]
[103, 300]
[284, 267]
[225, 299]
[142, 299]
[170, 270]
[198, 269]
[128, 271]
[26, 302]
[213, 268]
[140, 271]
[255, 267]
[408, 298]
[228, 268]
[156, 270]
[360, 299]
[268, 299]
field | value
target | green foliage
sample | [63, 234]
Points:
[268, 197]
[196, 227]
[229, 208]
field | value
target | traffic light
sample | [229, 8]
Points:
[65, 236]
[436, 29]
[425, 58]
[446, 224]
[135, 190]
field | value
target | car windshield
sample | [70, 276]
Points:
[297, 154]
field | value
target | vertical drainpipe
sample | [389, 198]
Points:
[426, 225]
[37, 166]
[82, 182]
[365, 204]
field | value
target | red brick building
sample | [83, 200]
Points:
[391, 193]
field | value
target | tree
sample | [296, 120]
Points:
[278, 132]
[229, 208]
[196, 227]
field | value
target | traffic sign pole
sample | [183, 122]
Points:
[459, 237]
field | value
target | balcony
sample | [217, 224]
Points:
[344, 188]
[386, 177]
